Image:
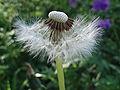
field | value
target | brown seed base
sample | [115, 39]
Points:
[54, 25]
[57, 29]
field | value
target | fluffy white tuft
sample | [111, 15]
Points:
[79, 42]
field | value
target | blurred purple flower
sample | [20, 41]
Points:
[73, 3]
[100, 5]
[105, 24]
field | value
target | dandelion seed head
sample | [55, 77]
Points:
[77, 41]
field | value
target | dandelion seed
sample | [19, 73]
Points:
[60, 36]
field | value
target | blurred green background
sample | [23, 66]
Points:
[101, 72]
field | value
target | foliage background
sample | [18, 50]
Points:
[101, 72]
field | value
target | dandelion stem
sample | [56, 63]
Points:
[60, 73]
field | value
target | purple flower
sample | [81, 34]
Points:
[100, 5]
[73, 3]
[105, 24]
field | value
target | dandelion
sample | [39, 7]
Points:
[63, 39]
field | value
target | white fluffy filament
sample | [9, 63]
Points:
[80, 41]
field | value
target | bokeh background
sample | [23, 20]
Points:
[100, 72]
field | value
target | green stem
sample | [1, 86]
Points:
[60, 73]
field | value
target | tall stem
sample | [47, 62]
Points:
[60, 73]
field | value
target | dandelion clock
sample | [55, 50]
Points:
[62, 38]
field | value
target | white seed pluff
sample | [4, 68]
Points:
[58, 16]
[77, 43]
